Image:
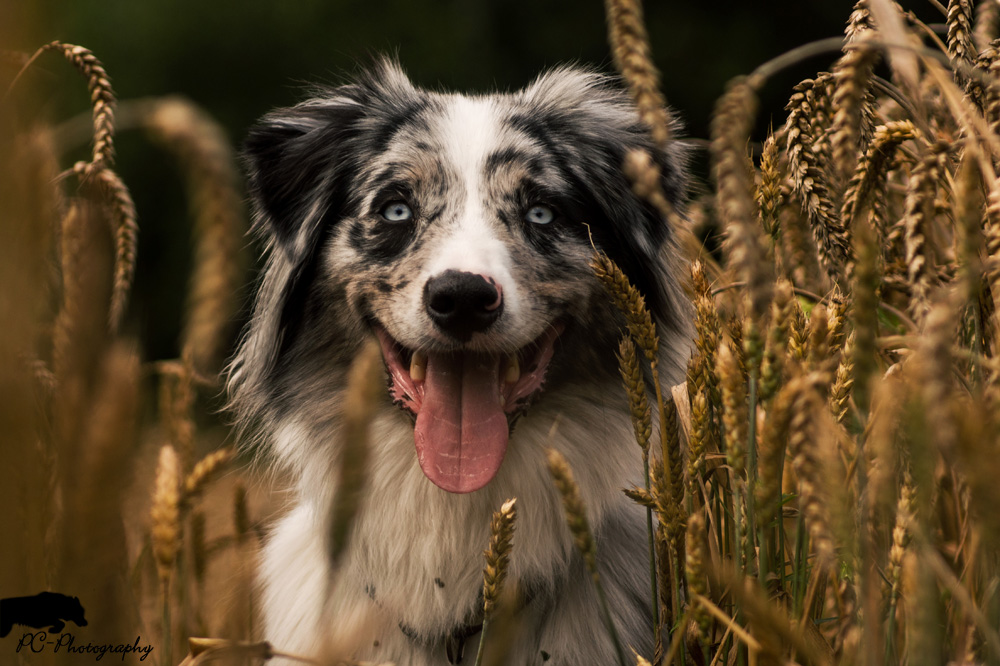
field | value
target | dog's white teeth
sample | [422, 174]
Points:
[513, 371]
[418, 366]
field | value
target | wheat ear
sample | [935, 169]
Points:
[215, 199]
[102, 99]
[365, 384]
[576, 519]
[633, 57]
[497, 563]
[809, 179]
[731, 124]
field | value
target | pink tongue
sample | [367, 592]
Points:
[461, 431]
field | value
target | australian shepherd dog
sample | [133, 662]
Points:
[458, 231]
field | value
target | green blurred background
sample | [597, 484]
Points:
[239, 59]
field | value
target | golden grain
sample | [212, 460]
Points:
[807, 460]
[768, 193]
[215, 199]
[852, 77]
[900, 536]
[812, 187]
[176, 404]
[498, 555]
[960, 46]
[735, 418]
[241, 512]
[633, 58]
[165, 514]
[630, 303]
[859, 21]
[635, 388]
[969, 214]
[205, 470]
[365, 387]
[864, 312]
[702, 436]
[840, 392]
[126, 238]
[102, 99]
[776, 346]
[770, 462]
[709, 333]
[870, 173]
[917, 215]
[696, 566]
[731, 124]
[798, 334]
[576, 517]
[818, 356]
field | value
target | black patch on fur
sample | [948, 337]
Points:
[382, 243]
[505, 158]
[404, 115]
[439, 582]
[600, 195]
[385, 176]
[434, 215]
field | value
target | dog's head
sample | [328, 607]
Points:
[458, 230]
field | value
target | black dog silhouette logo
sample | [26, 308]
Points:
[44, 610]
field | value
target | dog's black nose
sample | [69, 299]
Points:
[463, 303]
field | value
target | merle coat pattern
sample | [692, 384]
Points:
[374, 199]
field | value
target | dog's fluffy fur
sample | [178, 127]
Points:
[471, 171]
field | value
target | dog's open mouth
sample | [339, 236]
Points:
[465, 403]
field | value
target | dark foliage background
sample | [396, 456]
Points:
[240, 58]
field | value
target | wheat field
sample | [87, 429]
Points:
[822, 490]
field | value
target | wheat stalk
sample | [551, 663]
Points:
[731, 124]
[204, 471]
[365, 386]
[102, 99]
[851, 79]
[497, 562]
[768, 194]
[696, 568]
[126, 234]
[804, 147]
[583, 538]
[215, 199]
[960, 46]
[632, 54]
[919, 210]
[635, 388]
[735, 418]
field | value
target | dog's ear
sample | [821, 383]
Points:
[301, 159]
[293, 159]
[597, 108]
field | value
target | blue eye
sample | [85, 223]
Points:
[397, 211]
[540, 214]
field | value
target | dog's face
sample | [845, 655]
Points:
[459, 231]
